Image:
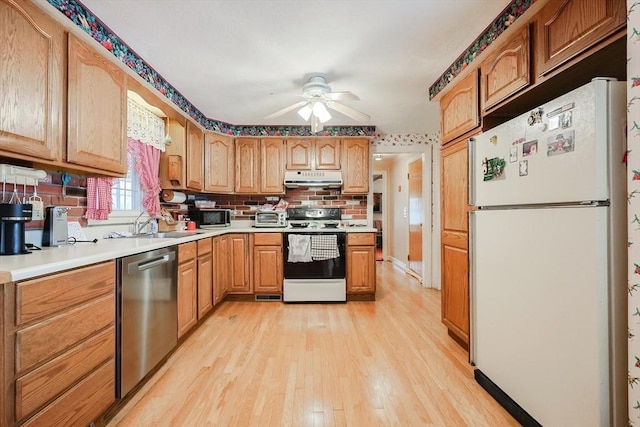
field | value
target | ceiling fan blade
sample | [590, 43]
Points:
[348, 111]
[286, 109]
[342, 96]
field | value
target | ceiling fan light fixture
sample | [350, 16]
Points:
[305, 112]
[316, 125]
[320, 111]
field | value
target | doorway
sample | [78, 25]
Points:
[416, 219]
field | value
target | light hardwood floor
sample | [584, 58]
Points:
[383, 363]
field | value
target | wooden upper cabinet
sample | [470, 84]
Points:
[506, 71]
[566, 28]
[247, 165]
[454, 178]
[327, 154]
[31, 82]
[218, 163]
[272, 164]
[355, 166]
[97, 110]
[173, 161]
[299, 154]
[459, 108]
[195, 152]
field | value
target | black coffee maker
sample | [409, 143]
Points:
[12, 220]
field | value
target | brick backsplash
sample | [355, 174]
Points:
[50, 190]
[247, 204]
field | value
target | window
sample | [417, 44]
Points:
[126, 193]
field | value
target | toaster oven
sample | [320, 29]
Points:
[271, 219]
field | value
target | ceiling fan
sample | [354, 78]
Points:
[317, 98]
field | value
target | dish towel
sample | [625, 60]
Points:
[98, 198]
[299, 248]
[324, 246]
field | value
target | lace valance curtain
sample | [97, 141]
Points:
[144, 126]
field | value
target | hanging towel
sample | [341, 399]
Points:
[98, 198]
[324, 246]
[299, 248]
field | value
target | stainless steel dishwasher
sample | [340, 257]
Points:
[147, 321]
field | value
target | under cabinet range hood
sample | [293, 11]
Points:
[307, 178]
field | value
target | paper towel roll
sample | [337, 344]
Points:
[170, 196]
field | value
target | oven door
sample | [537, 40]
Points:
[316, 280]
[334, 268]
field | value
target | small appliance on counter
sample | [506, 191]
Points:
[13, 216]
[56, 230]
[210, 218]
[271, 218]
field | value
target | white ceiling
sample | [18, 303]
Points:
[240, 60]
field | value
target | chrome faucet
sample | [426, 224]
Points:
[138, 227]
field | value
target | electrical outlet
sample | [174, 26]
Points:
[353, 202]
[307, 203]
[346, 216]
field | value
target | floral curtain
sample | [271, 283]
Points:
[145, 132]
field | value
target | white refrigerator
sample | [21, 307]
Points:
[548, 260]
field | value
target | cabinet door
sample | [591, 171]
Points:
[247, 166]
[32, 82]
[299, 154]
[459, 108]
[267, 269]
[455, 240]
[222, 260]
[272, 165]
[361, 269]
[173, 163]
[506, 71]
[195, 152]
[565, 28]
[239, 279]
[327, 154]
[218, 163]
[205, 284]
[355, 166]
[97, 109]
[187, 296]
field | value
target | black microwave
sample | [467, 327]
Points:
[210, 218]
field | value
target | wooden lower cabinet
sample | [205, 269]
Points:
[69, 380]
[221, 268]
[187, 287]
[239, 278]
[205, 277]
[455, 240]
[267, 263]
[361, 263]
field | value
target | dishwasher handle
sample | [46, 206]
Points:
[146, 264]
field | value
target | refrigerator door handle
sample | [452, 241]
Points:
[471, 169]
[472, 288]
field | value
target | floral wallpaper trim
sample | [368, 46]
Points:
[501, 23]
[405, 140]
[633, 210]
[90, 24]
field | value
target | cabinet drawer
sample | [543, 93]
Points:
[362, 239]
[48, 295]
[204, 246]
[43, 340]
[187, 251]
[83, 403]
[43, 384]
[267, 239]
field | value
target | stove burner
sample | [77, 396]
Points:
[299, 225]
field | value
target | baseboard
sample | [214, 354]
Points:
[401, 265]
[503, 399]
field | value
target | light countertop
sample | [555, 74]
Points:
[52, 260]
